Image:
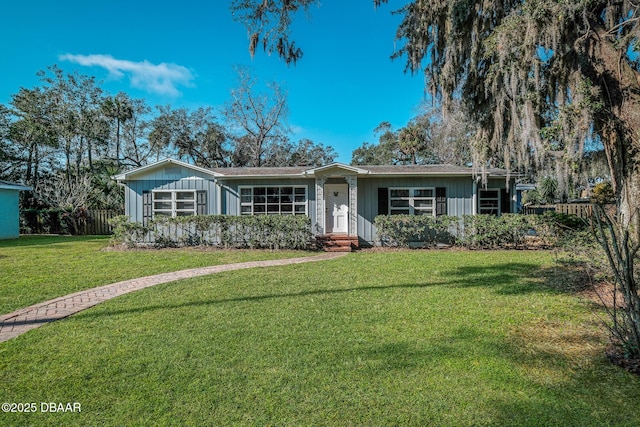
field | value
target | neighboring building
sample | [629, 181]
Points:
[9, 210]
[339, 199]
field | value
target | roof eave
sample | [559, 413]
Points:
[272, 176]
[127, 175]
[315, 171]
[16, 187]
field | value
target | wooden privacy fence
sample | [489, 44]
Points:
[51, 221]
[582, 210]
[98, 222]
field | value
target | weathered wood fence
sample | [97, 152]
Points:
[582, 210]
[98, 222]
[54, 222]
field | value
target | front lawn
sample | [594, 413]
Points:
[37, 268]
[375, 338]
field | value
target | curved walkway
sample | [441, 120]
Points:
[25, 319]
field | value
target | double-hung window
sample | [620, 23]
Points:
[174, 203]
[273, 200]
[412, 201]
[489, 202]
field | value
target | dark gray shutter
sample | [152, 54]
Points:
[441, 201]
[505, 201]
[201, 203]
[383, 201]
[147, 207]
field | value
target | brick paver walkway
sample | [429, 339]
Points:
[25, 319]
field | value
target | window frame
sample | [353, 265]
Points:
[247, 200]
[494, 207]
[412, 208]
[174, 211]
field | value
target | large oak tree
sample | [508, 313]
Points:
[539, 77]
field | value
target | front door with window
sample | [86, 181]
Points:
[337, 207]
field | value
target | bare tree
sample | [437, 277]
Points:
[193, 135]
[256, 119]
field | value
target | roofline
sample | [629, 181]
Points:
[311, 173]
[368, 174]
[339, 165]
[278, 176]
[12, 186]
[125, 175]
[405, 174]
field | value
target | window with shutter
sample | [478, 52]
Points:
[173, 202]
[441, 201]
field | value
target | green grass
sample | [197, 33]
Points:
[38, 268]
[375, 338]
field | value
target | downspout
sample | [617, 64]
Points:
[474, 199]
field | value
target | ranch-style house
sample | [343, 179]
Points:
[340, 199]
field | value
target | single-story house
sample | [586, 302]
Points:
[340, 199]
[9, 210]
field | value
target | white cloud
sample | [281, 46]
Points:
[157, 78]
[297, 130]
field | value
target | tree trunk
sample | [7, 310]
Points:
[118, 142]
[619, 123]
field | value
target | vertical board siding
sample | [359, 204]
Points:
[459, 193]
[459, 198]
[135, 190]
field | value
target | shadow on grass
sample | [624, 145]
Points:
[47, 240]
[256, 298]
[547, 374]
[503, 279]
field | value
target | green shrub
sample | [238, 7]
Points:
[401, 230]
[548, 189]
[53, 221]
[251, 232]
[126, 232]
[493, 232]
[603, 193]
[563, 223]
[509, 231]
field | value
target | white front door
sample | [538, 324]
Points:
[337, 207]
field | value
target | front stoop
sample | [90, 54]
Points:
[337, 242]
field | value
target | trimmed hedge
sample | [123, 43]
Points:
[247, 232]
[508, 231]
[402, 230]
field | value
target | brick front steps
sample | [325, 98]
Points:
[337, 242]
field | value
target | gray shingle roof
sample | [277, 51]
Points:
[372, 170]
[258, 171]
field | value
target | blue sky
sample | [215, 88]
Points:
[183, 54]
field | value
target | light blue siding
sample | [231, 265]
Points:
[9, 214]
[169, 177]
[135, 189]
[223, 192]
[459, 198]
